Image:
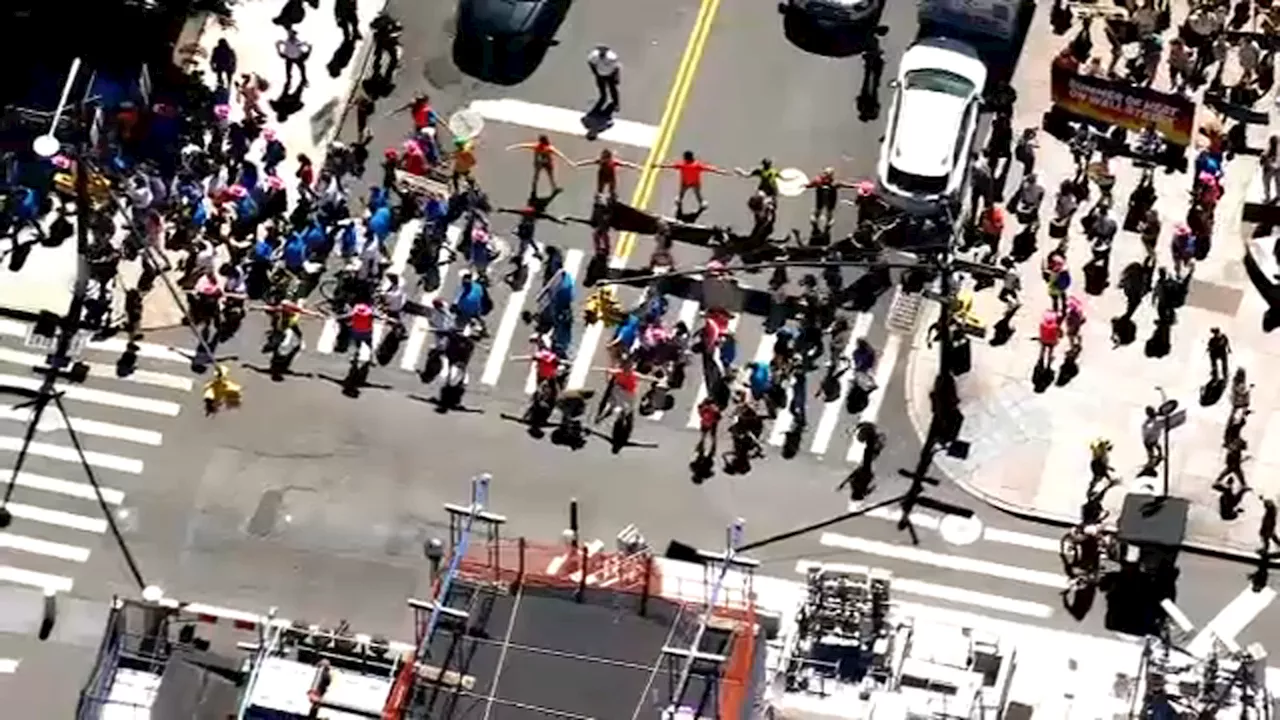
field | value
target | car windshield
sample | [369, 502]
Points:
[917, 184]
[943, 81]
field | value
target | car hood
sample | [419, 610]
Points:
[501, 17]
[927, 130]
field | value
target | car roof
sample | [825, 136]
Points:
[926, 131]
[948, 54]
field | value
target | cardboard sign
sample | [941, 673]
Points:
[1129, 106]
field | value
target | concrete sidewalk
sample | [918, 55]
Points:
[1030, 450]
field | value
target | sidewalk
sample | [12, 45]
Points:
[1030, 450]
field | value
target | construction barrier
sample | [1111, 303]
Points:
[737, 688]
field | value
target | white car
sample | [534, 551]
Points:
[924, 158]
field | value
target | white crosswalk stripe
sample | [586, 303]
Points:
[884, 371]
[421, 328]
[510, 322]
[688, 315]
[582, 361]
[832, 411]
[695, 421]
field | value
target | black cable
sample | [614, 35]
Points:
[33, 426]
[97, 491]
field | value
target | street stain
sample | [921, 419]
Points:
[268, 514]
[441, 72]
[323, 120]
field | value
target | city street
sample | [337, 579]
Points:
[321, 505]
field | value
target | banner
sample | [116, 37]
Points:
[1129, 106]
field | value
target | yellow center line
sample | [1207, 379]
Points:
[671, 113]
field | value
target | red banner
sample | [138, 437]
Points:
[1129, 106]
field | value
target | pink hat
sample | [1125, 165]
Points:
[1181, 229]
[275, 183]
[866, 188]
[222, 111]
[268, 134]
[412, 148]
[61, 161]
[237, 191]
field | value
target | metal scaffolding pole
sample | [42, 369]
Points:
[479, 498]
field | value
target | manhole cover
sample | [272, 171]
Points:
[791, 182]
[960, 530]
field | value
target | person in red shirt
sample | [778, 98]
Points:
[691, 170]
[709, 413]
[360, 323]
[607, 171]
[624, 383]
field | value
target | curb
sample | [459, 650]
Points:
[1022, 512]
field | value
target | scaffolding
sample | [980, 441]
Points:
[155, 660]
[428, 677]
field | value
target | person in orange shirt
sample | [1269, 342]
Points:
[544, 161]
[691, 170]
[464, 164]
[607, 165]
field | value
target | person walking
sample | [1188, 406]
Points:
[223, 63]
[607, 70]
[347, 18]
[1231, 479]
[294, 51]
[1152, 428]
[1219, 349]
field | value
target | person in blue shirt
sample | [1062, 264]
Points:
[380, 224]
[348, 240]
[626, 335]
[378, 198]
[469, 304]
[759, 379]
[296, 252]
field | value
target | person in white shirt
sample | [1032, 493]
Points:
[295, 53]
[607, 70]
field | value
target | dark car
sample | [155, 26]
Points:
[503, 41]
[843, 24]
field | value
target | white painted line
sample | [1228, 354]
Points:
[30, 578]
[57, 517]
[151, 351]
[52, 421]
[80, 490]
[57, 452]
[404, 245]
[1231, 620]
[694, 421]
[1021, 539]
[884, 371]
[328, 336]
[98, 397]
[561, 120]
[947, 562]
[688, 314]
[587, 348]
[919, 519]
[832, 411]
[960, 596]
[36, 546]
[8, 666]
[142, 377]
[506, 332]
[421, 328]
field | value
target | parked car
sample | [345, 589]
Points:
[832, 20]
[925, 155]
[503, 41]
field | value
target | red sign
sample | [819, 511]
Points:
[1129, 106]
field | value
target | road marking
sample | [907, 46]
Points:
[688, 315]
[1231, 620]
[142, 377]
[884, 371]
[831, 411]
[960, 596]
[8, 666]
[695, 421]
[57, 517]
[328, 336]
[671, 112]
[582, 361]
[52, 421]
[990, 534]
[57, 452]
[422, 328]
[403, 246]
[948, 562]
[30, 578]
[82, 491]
[562, 120]
[151, 351]
[510, 321]
[36, 546]
[98, 397]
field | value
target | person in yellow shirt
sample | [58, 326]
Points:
[464, 163]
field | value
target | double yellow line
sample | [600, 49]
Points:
[676, 100]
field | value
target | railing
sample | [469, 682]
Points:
[94, 692]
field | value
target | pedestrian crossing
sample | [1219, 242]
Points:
[57, 521]
[828, 424]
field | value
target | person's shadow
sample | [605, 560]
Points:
[342, 56]
[289, 102]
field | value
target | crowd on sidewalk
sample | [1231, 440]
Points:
[1212, 58]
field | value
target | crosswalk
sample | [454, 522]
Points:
[830, 424]
[57, 521]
